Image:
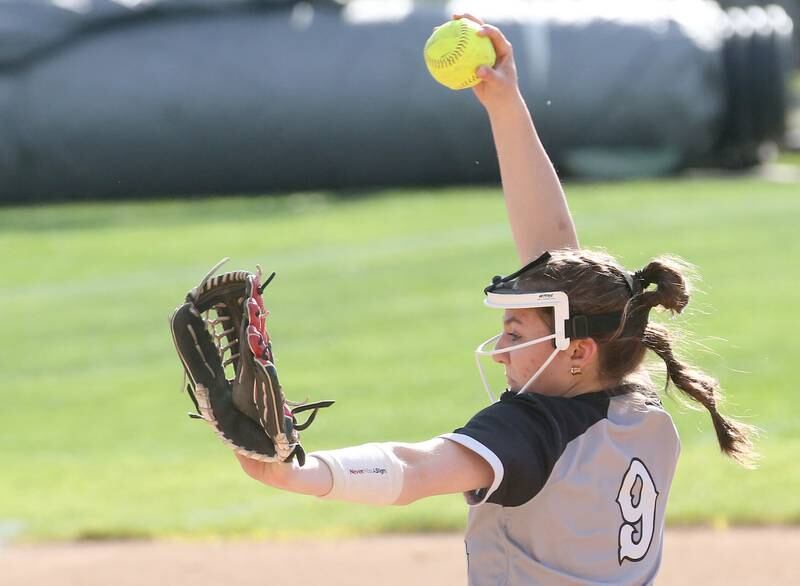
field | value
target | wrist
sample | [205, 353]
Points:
[278, 475]
[507, 105]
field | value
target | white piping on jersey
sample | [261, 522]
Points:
[485, 453]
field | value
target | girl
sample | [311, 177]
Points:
[567, 475]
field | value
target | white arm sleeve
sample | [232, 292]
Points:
[368, 474]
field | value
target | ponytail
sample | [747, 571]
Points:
[672, 293]
[596, 284]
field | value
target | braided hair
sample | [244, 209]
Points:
[597, 284]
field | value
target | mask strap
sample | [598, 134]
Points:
[538, 372]
[481, 352]
[483, 378]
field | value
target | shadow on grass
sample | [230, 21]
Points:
[100, 535]
[211, 209]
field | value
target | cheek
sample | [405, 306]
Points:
[528, 360]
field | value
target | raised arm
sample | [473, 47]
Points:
[537, 208]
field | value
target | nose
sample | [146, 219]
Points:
[502, 357]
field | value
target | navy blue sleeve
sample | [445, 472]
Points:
[528, 433]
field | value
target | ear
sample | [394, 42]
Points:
[582, 351]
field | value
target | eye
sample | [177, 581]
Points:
[514, 337]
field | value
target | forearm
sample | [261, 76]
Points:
[367, 474]
[379, 474]
[536, 205]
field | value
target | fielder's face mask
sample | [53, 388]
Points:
[502, 294]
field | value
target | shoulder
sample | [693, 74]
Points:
[566, 418]
[644, 414]
[519, 419]
[570, 413]
[523, 436]
[561, 408]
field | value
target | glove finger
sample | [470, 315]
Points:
[195, 347]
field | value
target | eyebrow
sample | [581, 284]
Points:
[512, 319]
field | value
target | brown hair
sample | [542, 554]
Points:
[597, 284]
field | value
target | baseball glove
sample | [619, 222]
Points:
[222, 327]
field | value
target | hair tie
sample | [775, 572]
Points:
[635, 281]
[639, 282]
[629, 282]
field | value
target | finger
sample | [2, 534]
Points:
[501, 45]
[486, 73]
[468, 16]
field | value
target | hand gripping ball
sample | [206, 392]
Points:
[454, 51]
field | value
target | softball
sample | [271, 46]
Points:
[454, 51]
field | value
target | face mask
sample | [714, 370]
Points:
[503, 294]
[481, 351]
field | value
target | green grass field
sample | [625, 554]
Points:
[377, 304]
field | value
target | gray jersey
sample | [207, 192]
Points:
[579, 492]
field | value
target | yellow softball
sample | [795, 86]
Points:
[454, 51]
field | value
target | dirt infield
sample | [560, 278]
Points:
[691, 556]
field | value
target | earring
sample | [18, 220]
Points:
[575, 370]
